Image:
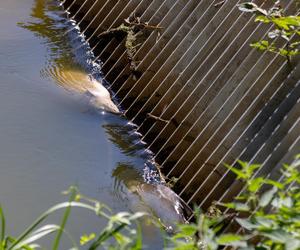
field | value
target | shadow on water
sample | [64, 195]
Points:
[127, 140]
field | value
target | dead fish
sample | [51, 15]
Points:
[165, 204]
[81, 82]
[101, 98]
[157, 199]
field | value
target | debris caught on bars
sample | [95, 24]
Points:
[158, 118]
[132, 28]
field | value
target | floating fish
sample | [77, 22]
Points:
[81, 82]
[154, 198]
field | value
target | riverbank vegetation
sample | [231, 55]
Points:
[284, 37]
[266, 216]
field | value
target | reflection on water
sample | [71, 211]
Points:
[127, 140]
[68, 69]
[74, 72]
[48, 22]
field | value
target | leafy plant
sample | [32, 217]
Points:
[273, 208]
[267, 213]
[286, 28]
[118, 227]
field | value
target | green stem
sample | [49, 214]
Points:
[2, 228]
[64, 220]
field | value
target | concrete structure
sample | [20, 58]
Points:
[200, 96]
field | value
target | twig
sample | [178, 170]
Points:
[157, 118]
[219, 3]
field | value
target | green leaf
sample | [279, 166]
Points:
[280, 202]
[38, 234]
[274, 183]
[287, 22]
[267, 196]
[2, 217]
[246, 223]
[121, 217]
[263, 19]
[278, 235]
[238, 172]
[73, 193]
[188, 230]
[263, 45]
[292, 244]
[291, 20]
[294, 52]
[283, 52]
[263, 222]
[241, 207]
[293, 45]
[252, 167]
[139, 239]
[287, 202]
[122, 239]
[255, 184]
[137, 215]
[46, 214]
[238, 206]
[84, 239]
[232, 240]
[185, 246]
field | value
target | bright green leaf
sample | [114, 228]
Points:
[232, 240]
[263, 19]
[188, 230]
[240, 174]
[274, 183]
[255, 184]
[86, 238]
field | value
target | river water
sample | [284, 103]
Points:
[51, 138]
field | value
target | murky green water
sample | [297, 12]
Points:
[51, 138]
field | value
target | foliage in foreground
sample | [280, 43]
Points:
[286, 29]
[267, 213]
[118, 228]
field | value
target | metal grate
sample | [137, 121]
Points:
[202, 96]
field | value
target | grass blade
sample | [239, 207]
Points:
[45, 215]
[139, 238]
[34, 236]
[2, 237]
[105, 235]
[65, 219]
